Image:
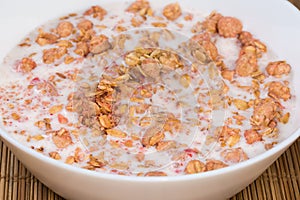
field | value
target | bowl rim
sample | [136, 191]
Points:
[5, 137]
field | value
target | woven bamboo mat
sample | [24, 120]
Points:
[281, 181]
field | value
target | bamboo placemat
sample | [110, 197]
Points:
[281, 181]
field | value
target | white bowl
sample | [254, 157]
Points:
[276, 22]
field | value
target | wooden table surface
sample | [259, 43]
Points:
[279, 181]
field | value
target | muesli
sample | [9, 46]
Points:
[145, 90]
